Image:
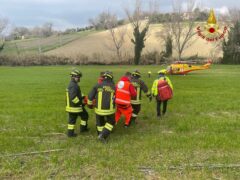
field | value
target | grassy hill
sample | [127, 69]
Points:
[34, 45]
[98, 45]
[198, 138]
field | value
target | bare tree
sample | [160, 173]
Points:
[140, 28]
[100, 22]
[3, 26]
[182, 25]
[47, 29]
[117, 35]
[234, 15]
[19, 32]
[154, 7]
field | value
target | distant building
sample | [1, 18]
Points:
[187, 15]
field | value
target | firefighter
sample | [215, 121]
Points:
[124, 91]
[155, 93]
[139, 86]
[149, 74]
[105, 109]
[75, 106]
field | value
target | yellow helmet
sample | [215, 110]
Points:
[136, 73]
[108, 74]
[76, 73]
[162, 71]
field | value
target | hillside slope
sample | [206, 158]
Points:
[36, 45]
[97, 45]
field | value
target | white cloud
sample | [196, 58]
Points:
[223, 10]
[34, 1]
[72, 13]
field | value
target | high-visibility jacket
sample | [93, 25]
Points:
[155, 84]
[139, 86]
[104, 94]
[124, 91]
[73, 98]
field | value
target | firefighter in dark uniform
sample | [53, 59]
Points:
[105, 109]
[140, 86]
[75, 106]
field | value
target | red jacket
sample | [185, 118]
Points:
[124, 91]
[132, 90]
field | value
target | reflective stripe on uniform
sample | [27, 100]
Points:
[108, 126]
[99, 100]
[74, 109]
[100, 128]
[67, 95]
[123, 101]
[71, 109]
[138, 93]
[124, 91]
[84, 123]
[136, 102]
[134, 115]
[89, 102]
[71, 126]
[111, 101]
[104, 112]
[75, 100]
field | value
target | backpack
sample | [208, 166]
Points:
[164, 90]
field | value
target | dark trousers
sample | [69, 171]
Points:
[136, 110]
[73, 118]
[159, 107]
[105, 124]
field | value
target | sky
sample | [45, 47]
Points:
[76, 13]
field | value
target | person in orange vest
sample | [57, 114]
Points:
[124, 91]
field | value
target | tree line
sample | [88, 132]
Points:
[178, 31]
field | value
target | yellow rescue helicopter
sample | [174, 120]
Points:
[184, 67]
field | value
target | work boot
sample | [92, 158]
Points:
[102, 139]
[71, 133]
[159, 115]
[83, 129]
[126, 126]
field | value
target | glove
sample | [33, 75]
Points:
[92, 105]
[85, 99]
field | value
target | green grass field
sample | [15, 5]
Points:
[198, 139]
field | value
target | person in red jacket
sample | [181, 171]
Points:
[101, 78]
[124, 91]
